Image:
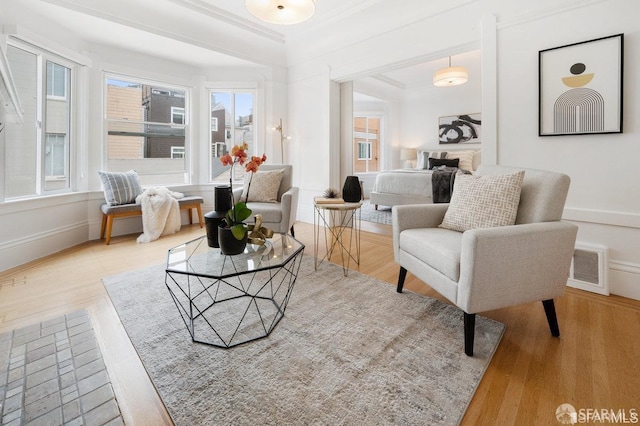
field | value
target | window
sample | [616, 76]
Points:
[37, 151]
[364, 150]
[366, 144]
[55, 156]
[231, 124]
[146, 129]
[177, 115]
[219, 149]
[177, 152]
[56, 80]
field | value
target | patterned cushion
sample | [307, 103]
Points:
[262, 186]
[483, 201]
[120, 187]
[466, 159]
[423, 158]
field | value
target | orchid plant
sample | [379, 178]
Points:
[239, 211]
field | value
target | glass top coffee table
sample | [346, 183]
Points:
[224, 300]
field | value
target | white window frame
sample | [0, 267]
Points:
[54, 65]
[178, 112]
[214, 124]
[177, 152]
[185, 175]
[74, 64]
[367, 147]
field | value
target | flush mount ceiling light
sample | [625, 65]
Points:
[283, 12]
[450, 76]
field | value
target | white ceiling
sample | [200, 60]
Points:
[217, 33]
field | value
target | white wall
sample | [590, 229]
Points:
[603, 199]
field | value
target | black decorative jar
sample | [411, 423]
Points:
[222, 204]
[352, 191]
[229, 244]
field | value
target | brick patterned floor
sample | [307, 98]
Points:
[52, 373]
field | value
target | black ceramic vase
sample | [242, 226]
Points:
[351, 191]
[222, 204]
[229, 244]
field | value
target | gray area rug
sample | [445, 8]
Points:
[52, 373]
[370, 214]
[349, 350]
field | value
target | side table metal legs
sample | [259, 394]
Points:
[341, 232]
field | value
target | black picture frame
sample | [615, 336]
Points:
[580, 88]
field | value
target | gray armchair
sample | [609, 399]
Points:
[279, 216]
[492, 268]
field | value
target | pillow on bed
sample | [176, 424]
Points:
[466, 159]
[435, 162]
[423, 158]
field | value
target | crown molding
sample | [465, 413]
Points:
[76, 7]
[230, 18]
[545, 12]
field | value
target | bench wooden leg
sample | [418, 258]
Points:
[109, 227]
[103, 226]
[200, 218]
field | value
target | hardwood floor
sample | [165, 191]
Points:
[594, 364]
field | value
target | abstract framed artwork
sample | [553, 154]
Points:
[466, 128]
[580, 88]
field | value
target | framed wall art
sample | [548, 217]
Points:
[464, 128]
[580, 88]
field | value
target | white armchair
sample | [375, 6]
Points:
[491, 268]
[279, 216]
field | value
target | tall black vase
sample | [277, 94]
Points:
[221, 204]
[351, 191]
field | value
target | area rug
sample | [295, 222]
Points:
[349, 350]
[52, 373]
[370, 214]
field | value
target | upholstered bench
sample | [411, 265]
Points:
[189, 202]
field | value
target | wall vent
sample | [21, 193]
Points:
[589, 268]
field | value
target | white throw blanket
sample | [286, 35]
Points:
[160, 213]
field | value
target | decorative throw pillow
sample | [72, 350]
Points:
[465, 157]
[483, 201]
[423, 158]
[435, 162]
[120, 187]
[262, 186]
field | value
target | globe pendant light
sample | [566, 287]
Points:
[450, 76]
[283, 12]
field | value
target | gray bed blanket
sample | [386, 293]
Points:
[442, 181]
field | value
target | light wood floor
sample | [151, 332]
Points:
[594, 364]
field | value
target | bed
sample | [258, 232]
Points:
[413, 186]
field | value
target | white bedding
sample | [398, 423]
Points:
[404, 182]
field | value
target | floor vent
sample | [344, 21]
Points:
[589, 269]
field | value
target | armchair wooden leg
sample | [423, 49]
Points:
[469, 332]
[552, 319]
[401, 277]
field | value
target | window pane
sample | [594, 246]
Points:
[366, 143]
[146, 131]
[21, 140]
[231, 124]
[57, 127]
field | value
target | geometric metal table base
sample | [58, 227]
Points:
[337, 222]
[233, 304]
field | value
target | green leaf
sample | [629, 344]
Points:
[242, 212]
[239, 231]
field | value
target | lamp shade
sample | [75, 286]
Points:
[283, 12]
[408, 154]
[450, 76]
